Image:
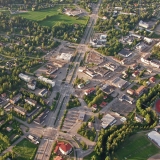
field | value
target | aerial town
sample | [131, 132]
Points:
[79, 80]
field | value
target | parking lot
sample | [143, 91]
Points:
[123, 108]
[70, 120]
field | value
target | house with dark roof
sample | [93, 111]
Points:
[125, 53]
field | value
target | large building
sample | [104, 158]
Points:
[143, 24]
[16, 98]
[140, 90]
[155, 137]
[20, 110]
[65, 56]
[31, 101]
[49, 81]
[108, 120]
[120, 83]
[125, 53]
[25, 77]
[127, 99]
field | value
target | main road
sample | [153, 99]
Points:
[68, 89]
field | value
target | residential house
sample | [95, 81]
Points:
[20, 110]
[31, 101]
[16, 98]
[89, 91]
[152, 79]
[140, 90]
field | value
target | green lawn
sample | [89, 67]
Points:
[55, 16]
[25, 150]
[137, 147]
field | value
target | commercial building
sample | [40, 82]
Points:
[143, 24]
[108, 89]
[154, 63]
[110, 66]
[25, 77]
[140, 90]
[64, 56]
[127, 99]
[90, 73]
[101, 71]
[51, 82]
[59, 63]
[155, 137]
[16, 98]
[120, 83]
[40, 119]
[108, 120]
[125, 53]
[81, 116]
[20, 110]
[148, 40]
[31, 101]
[43, 92]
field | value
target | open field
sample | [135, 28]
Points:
[25, 150]
[137, 147]
[54, 16]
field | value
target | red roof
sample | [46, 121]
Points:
[104, 97]
[90, 90]
[65, 147]
[94, 106]
[136, 72]
[56, 149]
[103, 104]
[152, 79]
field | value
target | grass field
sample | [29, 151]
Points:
[55, 16]
[25, 150]
[137, 147]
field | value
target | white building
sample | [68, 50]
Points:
[25, 77]
[108, 120]
[64, 56]
[148, 40]
[143, 24]
[43, 92]
[49, 81]
[31, 86]
[155, 137]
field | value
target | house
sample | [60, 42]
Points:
[135, 74]
[140, 90]
[9, 129]
[89, 91]
[103, 104]
[90, 124]
[130, 91]
[2, 122]
[65, 148]
[16, 98]
[31, 101]
[20, 110]
[108, 89]
[94, 107]
[43, 92]
[3, 95]
[152, 79]
[134, 66]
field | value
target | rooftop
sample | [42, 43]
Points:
[155, 136]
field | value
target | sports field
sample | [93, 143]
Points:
[25, 150]
[137, 147]
[54, 16]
